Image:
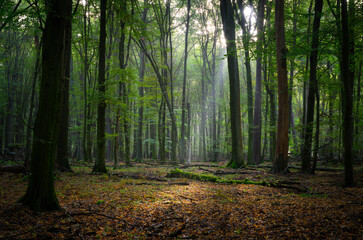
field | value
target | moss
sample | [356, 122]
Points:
[207, 178]
[200, 177]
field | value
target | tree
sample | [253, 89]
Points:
[347, 81]
[234, 88]
[256, 153]
[246, 46]
[306, 154]
[282, 141]
[139, 148]
[40, 194]
[101, 119]
[62, 162]
[184, 113]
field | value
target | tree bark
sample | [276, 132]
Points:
[29, 128]
[256, 153]
[282, 141]
[346, 61]
[62, 162]
[306, 154]
[234, 85]
[246, 46]
[101, 110]
[182, 153]
[40, 193]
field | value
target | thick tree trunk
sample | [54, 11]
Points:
[40, 194]
[282, 141]
[234, 87]
[62, 162]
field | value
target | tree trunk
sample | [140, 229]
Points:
[306, 154]
[346, 61]
[101, 117]
[40, 194]
[282, 141]
[182, 153]
[161, 131]
[256, 154]
[234, 88]
[246, 45]
[29, 127]
[62, 162]
[291, 80]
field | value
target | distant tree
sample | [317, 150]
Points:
[40, 193]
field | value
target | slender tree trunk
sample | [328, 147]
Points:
[257, 112]
[182, 153]
[246, 46]
[282, 143]
[306, 154]
[291, 77]
[347, 97]
[161, 131]
[317, 131]
[101, 119]
[234, 88]
[40, 194]
[31, 106]
[357, 119]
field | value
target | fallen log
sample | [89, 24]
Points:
[139, 176]
[176, 173]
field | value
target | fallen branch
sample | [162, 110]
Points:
[197, 165]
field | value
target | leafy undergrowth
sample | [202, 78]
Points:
[140, 203]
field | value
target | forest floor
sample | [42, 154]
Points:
[140, 202]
